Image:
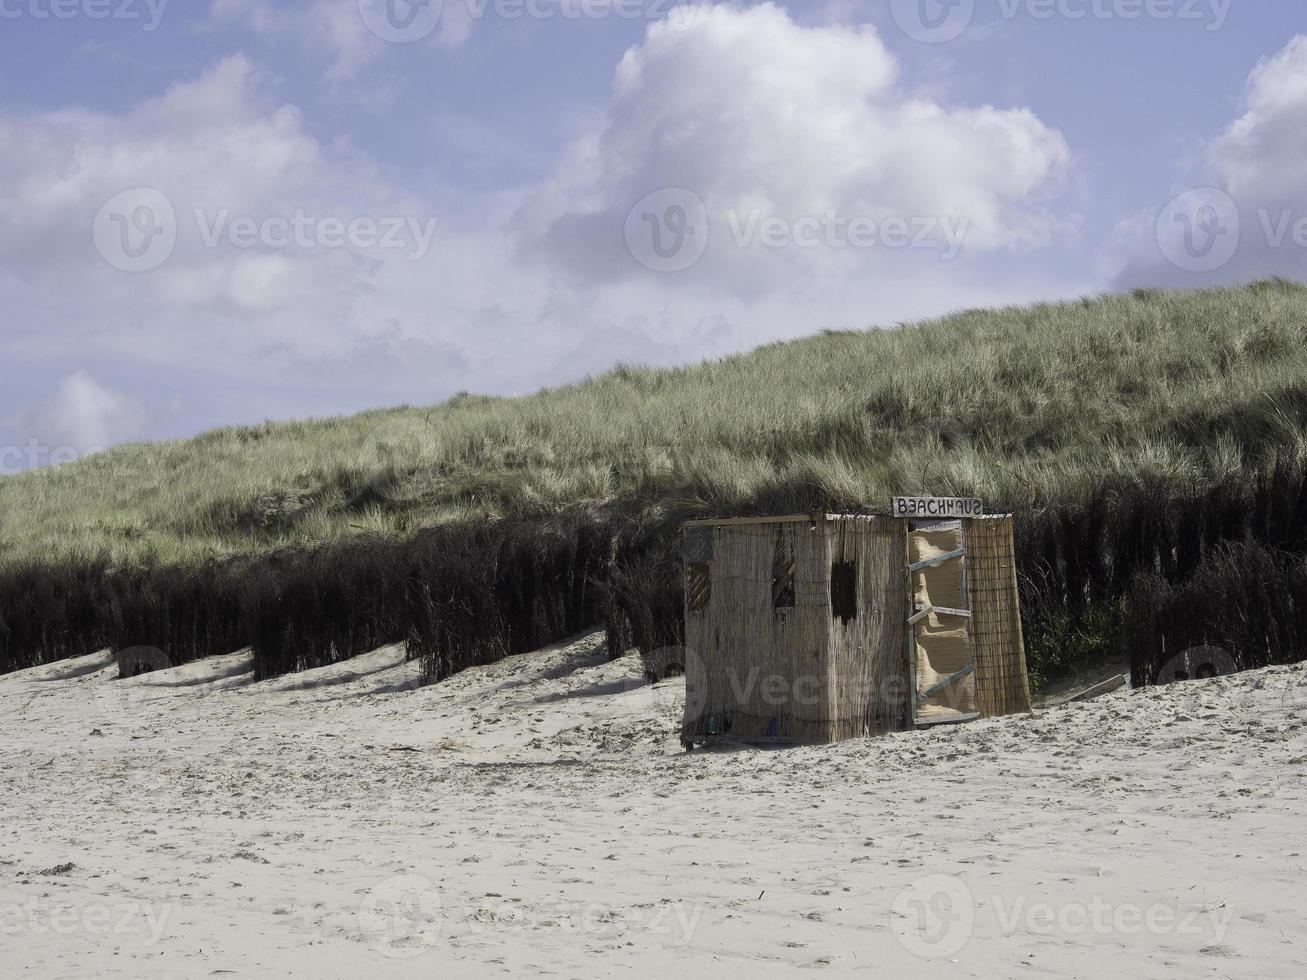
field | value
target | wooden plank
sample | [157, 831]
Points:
[1106, 687]
[924, 611]
[948, 720]
[946, 682]
[747, 521]
[937, 560]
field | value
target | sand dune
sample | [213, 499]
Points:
[538, 815]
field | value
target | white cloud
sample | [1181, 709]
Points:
[1263, 155]
[221, 153]
[518, 289]
[755, 113]
[82, 415]
[335, 28]
[1254, 201]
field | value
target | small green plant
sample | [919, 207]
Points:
[1061, 645]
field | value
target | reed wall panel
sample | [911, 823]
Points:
[869, 683]
[1002, 684]
[755, 671]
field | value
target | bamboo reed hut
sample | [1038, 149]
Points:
[814, 629]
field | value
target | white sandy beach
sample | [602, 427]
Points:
[539, 817]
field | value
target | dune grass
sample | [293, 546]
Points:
[1021, 406]
[1141, 440]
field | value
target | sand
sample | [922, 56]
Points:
[539, 817]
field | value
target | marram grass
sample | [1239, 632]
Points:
[1022, 406]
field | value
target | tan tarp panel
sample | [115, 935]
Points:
[943, 646]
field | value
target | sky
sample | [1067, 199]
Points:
[218, 212]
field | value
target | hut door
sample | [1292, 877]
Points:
[941, 654]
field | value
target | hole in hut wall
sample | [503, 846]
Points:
[698, 587]
[782, 572]
[844, 590]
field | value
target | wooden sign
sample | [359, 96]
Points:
[937, 508]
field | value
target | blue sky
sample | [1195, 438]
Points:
[564, 184]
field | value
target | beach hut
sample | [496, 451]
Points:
[818, 628]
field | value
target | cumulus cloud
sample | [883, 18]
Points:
[253, 218]
[343, 31]
[1243, 212]
[193, 269]
[762, 118]
[81, 416]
